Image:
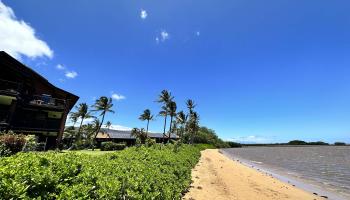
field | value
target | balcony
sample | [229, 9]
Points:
[9, 88]
[46, 101]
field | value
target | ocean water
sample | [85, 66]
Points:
[325, 167]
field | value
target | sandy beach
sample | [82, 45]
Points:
[217, 177]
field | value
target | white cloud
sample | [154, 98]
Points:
[164, 35]
[118, 127]
[143, 14]
[251, 139]
[60, 67]
[118, 96]
[198, 33]
[18, 38]
[71, 74]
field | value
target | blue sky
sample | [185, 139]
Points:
[260, 71]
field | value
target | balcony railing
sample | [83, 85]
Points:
[47, 101]
[9, 87]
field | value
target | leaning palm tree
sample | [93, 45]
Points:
[83, 113]
[146, 115]
[103, 105]
[190, 105]
[165, 98]
[172, 112]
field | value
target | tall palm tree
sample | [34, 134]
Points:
[164, 98]
[172, 112]
[83, 113]
[190, 105]
[181, 119]
[146, 115]
[193, 125]
[103, 105]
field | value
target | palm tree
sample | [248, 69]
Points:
[181, 119]
[74, 117]
[83, 113]
[190, 105]
[139, 134]
[164, 97]
[193, 125]
[172, 112]
[102, 105]
[108, 125]
[146, 115]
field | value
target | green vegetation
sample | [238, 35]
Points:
[157, 172]
[300, 142]
[96, 152]
[340, 144]
[111, 146]
[297, 142]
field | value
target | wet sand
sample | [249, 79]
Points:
[217, 177]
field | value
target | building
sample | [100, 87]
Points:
[125, 136]
[30, 104]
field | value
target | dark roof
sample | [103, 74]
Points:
[23, 69]
[124, 134]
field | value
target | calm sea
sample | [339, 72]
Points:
[326, 167]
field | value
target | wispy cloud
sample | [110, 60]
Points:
[117, 97]
[71, 74]
[18, 38]
[60, 67]
[251, 139]
[198, 33]
[143, 14]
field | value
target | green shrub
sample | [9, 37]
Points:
[135, 173]
[150, 142]
[31, 144]
[111, 146]
[13, 142]
[4, 151]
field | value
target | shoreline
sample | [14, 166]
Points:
[218, 177]
[303, 184]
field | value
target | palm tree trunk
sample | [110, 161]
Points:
[81, 123]
[98, 130]
[171, 123]
[164, 128]
[147, 128]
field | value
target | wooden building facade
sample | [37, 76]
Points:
[29, 104]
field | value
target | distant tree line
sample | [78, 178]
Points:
[300, 143]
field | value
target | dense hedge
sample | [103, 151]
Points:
[112, 146]
[135, 173]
